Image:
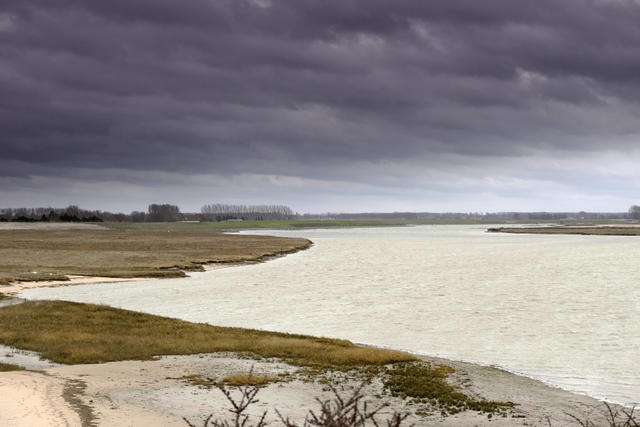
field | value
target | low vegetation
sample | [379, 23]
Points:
[33, 255]
[67, 332]
[423, 383]
[6, 367]
[236, 380]
[72, 333]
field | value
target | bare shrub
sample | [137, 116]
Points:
[336, 412]
[341, 412]
[614, 418]
[240, 419]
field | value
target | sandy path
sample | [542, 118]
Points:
[34, 399]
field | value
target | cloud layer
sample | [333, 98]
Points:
[395, 101]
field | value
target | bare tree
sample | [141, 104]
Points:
[223, 212]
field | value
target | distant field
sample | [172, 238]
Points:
[601, 231]
[28, 255]
[293, 224]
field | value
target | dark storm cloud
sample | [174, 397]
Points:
[297, 87]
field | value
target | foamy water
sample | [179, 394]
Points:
[562, 309]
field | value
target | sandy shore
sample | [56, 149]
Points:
[15, 288]
[135, 393]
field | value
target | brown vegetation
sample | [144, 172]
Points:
[67, 332]
[30, 255]
[6, 367]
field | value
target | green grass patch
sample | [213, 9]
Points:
[423, 383]
[72, 333]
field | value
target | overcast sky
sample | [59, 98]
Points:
[323, 105]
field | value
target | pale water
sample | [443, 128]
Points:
[563, 309]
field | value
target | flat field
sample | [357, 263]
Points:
[597, 230]
[36, 255]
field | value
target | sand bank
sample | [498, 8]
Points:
[15, 288]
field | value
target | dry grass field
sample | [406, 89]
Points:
[30, 255]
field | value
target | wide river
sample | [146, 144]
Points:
[562, 309]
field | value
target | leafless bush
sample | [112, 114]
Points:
[617, 418]
[340, 412]
[240, 419]
[335, 412]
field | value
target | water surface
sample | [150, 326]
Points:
[563, 309]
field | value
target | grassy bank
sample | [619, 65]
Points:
[74, 333]
[596, 231]
[67, 332]
[28, 255]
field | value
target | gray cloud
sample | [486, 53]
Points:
[311, 89]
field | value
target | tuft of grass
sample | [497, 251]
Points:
[424, 383]
[250, 380]
[236, 380]
[37, 255]
[6, 367]
[67, 332]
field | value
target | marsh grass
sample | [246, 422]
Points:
[235, 380]
[250, 379]
[72, 333]
[427, 384]
[36, 255]
[6, 367]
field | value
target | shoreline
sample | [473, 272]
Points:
[14, 288]
[536, 400]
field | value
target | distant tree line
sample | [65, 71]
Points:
[69, 214]
[224, 212]
[155, 213]
[476, 216]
